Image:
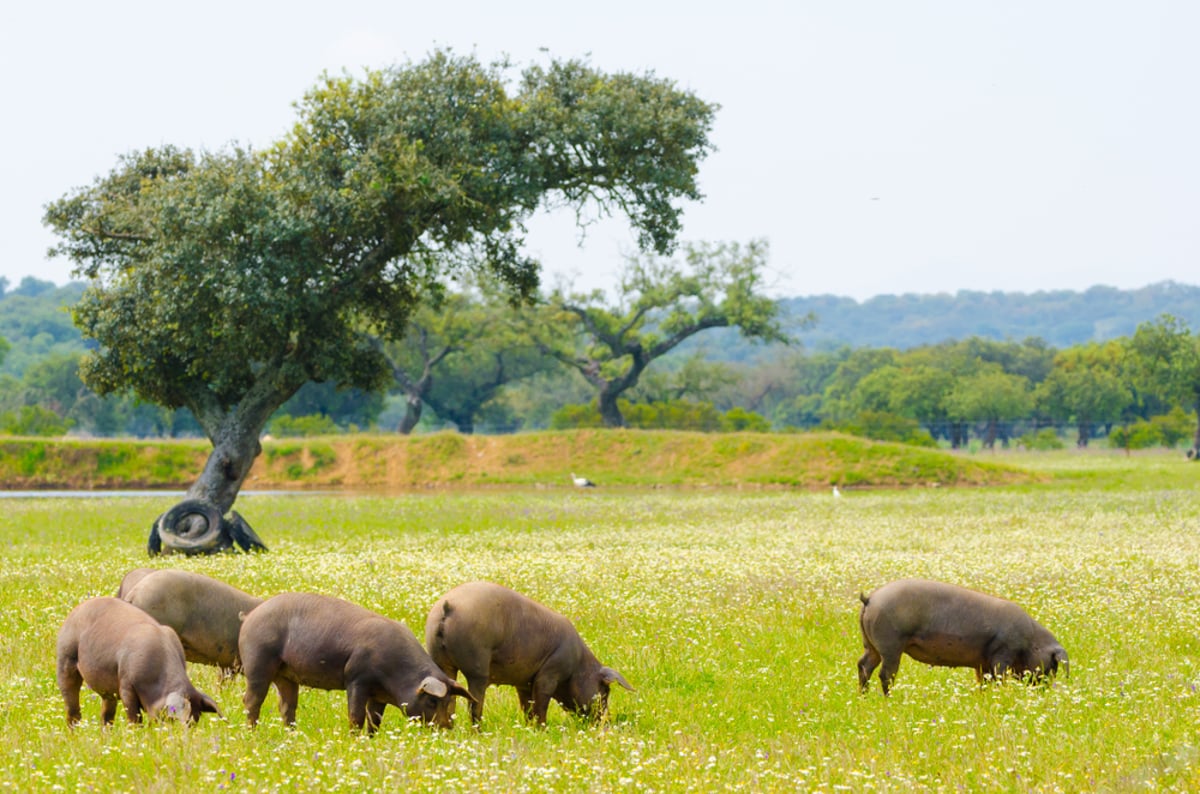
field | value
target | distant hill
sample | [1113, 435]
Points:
[1062, 318]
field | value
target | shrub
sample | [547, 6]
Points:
[738, 419]
[34, 420]
[1044, 439]
[1139, 435]
[665, 415]
[885, 426]
[285, 426]
[1176, 426]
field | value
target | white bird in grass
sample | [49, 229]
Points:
[582, 482]
[836, 493]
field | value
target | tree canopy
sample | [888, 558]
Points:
[661, 303]
[223, 281]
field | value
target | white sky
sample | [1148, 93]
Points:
[881, 147]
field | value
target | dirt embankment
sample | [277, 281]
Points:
[621, 457]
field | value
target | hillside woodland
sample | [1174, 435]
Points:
[1044, 368]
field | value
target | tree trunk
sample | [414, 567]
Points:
[412, 414]
[958, 434]
[234, 451]
[234, 433]
[1085, 434]
[609, 412]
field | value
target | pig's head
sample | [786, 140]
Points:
[1041, 662]
[587, 693]
[183, 706]
[1048, 659]
[433, 700]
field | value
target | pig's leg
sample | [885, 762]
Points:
[108, 709]
[543, 690]
[477, 686]
[525, 698]
[356, 705]
[259, 669]
[289, 696]
[375, 714]
[887, 673]
[133, 706]
[257, 684]
[866, 665]
[1001, 665]
[69, 683]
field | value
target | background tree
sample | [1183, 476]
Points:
[435, 332]
[1085, 386]
[1166, 361]
[990, 396]
[660, 303]
[225, 281]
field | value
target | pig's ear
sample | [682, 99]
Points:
[609, 676]
[460, 690]
[433, 686]
[202, 703]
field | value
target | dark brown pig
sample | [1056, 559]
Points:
[318, 641]
[949, 626]
[495, 635]
[205, 612]
[120, 651]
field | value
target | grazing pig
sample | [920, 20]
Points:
[205, 612]
[132, 578]
[120, 651]
[296, 639]
[498, 636]
[949, 626]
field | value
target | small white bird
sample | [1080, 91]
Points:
[582, 482]
[836, 493]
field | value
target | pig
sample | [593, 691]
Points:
[319, 641]
[950, 626]
[205, 612]
[120, 651]
[132, 578]
[495, 635]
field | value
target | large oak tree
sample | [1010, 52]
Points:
[224, 280]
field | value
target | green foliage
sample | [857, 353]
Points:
[36, 323]
[1044, 439]
[885, 426]
[1167, 430]
[223, 281]
[34, 420]
[285, 426]
[576, 416]
[738, 419]
[660, 304]
[460, 353]
[1139, 435]
[664, 415]
[347, 408]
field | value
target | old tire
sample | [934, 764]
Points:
[191, 527]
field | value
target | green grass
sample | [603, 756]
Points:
[733, 613]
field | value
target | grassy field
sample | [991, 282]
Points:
[733, 613]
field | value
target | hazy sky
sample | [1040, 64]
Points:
[880, 147]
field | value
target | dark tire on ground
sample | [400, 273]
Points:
[191, 527]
